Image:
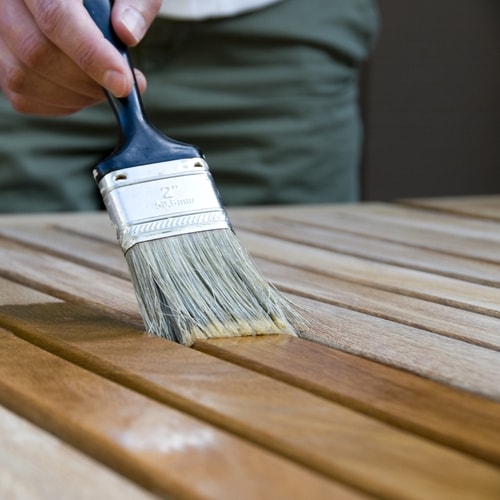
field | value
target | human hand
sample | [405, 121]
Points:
[54, 60]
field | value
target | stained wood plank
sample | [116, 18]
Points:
[35, 464]
[326, 436]
[460, 420]
[483, 207]
[160, 448]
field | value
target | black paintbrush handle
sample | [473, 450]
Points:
[140, 142]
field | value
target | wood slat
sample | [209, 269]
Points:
[483, 207]
[35, 464]
[162, 449]
[440, 289]
[464, 421]
[438, 238]
[436, 221]
[107, 256]
[50, 239]
[362, 237]
[445, 225]
[451, 243]
[326, 436]
[441, 359]
[410, 311]
[102, 254]
[68, 280]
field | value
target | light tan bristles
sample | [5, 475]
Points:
[204, 285]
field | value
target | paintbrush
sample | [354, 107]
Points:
[192, 278]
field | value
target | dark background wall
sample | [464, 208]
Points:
[431, 100]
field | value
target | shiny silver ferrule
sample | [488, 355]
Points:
[164, 199]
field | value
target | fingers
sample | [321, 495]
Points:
[50, 100]
[68, 26]
[35, 75]
[54, 60]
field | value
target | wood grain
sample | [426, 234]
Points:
[463, 421]
[158, 447]
[77, 282]
[444, 320]
[36, 465]
[443, 249]
[427, 286]
[412, 311]
[66, 279]
[482, 207]
[466, 367]
[101, 254]
[323, 435]
[433, 220]
[398, 395]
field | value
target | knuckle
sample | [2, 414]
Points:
[50, 16]
[34, 50]
[85, 56]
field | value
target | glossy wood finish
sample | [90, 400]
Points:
[394, 391]
[35, 464]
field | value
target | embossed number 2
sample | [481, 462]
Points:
[166, 190]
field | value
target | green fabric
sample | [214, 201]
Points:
[270, 97]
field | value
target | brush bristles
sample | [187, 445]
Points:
[204, 285]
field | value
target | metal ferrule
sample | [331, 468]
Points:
[162, 199]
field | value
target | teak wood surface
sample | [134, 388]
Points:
[393, 392]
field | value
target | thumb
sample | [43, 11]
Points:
[132, 18]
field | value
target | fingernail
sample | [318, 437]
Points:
[134, 22]
[116, 83]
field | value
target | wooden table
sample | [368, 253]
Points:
[394, 393]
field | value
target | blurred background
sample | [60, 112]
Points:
[430, 96]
